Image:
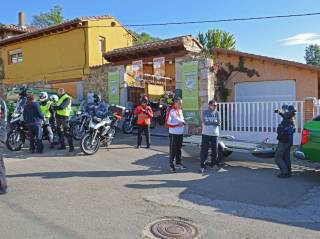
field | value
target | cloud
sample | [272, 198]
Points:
[302, 39]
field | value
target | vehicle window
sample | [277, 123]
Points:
[317, 118]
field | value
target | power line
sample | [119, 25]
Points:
[223, 20]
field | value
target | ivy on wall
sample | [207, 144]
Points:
[224, 74]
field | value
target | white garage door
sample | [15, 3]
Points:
[265, 91]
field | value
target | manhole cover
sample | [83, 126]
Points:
[173, 228]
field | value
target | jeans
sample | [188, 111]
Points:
[175, 148]
[282, 157]
[209, 142]
[146, 130]
[63, 129]
[36, 138]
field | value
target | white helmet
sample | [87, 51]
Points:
[43, 96]
[54, 98]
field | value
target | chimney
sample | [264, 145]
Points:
[22, 19]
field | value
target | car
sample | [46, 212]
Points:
[310, 141]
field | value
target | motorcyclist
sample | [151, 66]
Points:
[63, 111]
[54, 100]
[46, 108]
[22, 99]
[101, 108]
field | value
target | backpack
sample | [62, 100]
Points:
[3, 180]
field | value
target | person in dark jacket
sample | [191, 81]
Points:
[144, 114]
[33, 119]
[285, 132]
[63, 111]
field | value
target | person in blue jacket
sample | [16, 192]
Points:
[33, 118]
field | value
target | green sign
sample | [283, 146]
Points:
[114, 88]
[190, 92]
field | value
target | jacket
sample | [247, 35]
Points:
[32, 114]
[143, 115]
[175, 121]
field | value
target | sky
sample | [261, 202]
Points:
[281, 38]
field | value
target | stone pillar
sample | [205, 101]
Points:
[309, 108]
[206, 85]
[123, 86]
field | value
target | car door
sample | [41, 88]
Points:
[312, 148]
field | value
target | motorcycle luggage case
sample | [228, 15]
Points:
[117, 109]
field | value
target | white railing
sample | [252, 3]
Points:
[257, 121]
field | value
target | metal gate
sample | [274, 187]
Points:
[257, 121]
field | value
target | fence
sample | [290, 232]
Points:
[256, 121]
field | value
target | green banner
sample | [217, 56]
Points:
[114, 88]
[190, 92]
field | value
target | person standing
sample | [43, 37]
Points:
[285, 132]
[46, 108]
[33, 119]
[175, 122]
[144, 114]
[63, 110]
[210, 133]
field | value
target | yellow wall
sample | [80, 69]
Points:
[54, 57]
[63, 56]
[306, 80]
[116, 37]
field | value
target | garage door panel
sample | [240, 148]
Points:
[265, 91]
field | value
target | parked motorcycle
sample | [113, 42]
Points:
[129, 123]
[80, 124]
[101, 132]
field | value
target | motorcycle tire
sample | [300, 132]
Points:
[11, 138]
[75, 130]
[111, 135]
[85, 145]
[126, 127]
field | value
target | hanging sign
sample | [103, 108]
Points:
[190, 92]
[137, 69]
[114, 88]
[159, 67]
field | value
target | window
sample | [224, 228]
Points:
[15, 56]
[102, 44]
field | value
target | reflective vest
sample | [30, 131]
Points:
[67, 110]
[142, 117]
[46, 109]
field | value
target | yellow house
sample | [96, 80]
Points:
[61, 55]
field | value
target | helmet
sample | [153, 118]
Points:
[291, 109]
[43, 96]
[96, 98]
[54, 98]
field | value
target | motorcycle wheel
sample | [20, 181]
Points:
[77, 134]
[14, 141]
[87, 147]
[127, 128]
[111, 134]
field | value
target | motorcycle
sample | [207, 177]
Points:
[19, 133]
[101, 132]
[129, 123]
[80, 124]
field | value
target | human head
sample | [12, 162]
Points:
[212, 104]
[144, 101]
[30, 98]
[61, 91]
[43, 96]
[177, 102]
[96, 98]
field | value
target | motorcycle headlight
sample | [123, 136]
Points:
[79, 112]
[97, 119]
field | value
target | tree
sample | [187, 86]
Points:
[144, 37]
[312, 55]
[216, 38]
[46, 19]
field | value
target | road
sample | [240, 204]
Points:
[118, 192]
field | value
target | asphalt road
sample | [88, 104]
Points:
[119, 191]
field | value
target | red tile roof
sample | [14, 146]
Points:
[74, 22]
[267, 58]
[16, 28]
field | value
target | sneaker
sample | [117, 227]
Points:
[180, 166]
[138, 146]
[173, 170]
[202, 170]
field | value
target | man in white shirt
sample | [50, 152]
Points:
[175, 122]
